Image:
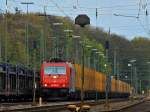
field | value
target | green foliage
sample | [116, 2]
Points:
[41, 29]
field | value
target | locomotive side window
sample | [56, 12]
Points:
[55, 70]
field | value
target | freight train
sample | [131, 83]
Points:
[16, 82]
[57, 79]
[63, 79]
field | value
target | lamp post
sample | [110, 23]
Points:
[99, 54]
[140, 85]
[149, 72]
[27, 3]
[44, 30]
[53, 46]
[97, 69]
[82, 20]
[76, 39]
[101, 64]
[0, 49]
[131, 64]
[68, 42]
[1, 14]
[95, 59]
[88, 58]
[107, 75]
[34, 74]
[56, 40]
[6, 33]
[6, 49]
[27, 32]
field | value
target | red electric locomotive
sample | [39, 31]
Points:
[56, 79]
[63, 80]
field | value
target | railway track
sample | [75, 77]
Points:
[48, 107]
[141, 107]
[38, 109]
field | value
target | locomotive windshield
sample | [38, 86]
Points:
[53, 70]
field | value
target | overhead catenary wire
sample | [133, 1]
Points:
[70, 10]
[60, 9]
[78, 7]
[147, 18]
[139, 8]
[93, 8]
[147, 22]
[145, 27]
[116, 6]
[138, 17]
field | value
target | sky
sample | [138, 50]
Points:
[129, 18]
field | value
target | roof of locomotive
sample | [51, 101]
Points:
[56, 62]
[53, 63]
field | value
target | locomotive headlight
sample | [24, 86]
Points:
[45, 85]
[54, 77]
[63, 85]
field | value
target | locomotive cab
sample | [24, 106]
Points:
[55, 79]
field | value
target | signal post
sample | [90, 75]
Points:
[82, 20]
